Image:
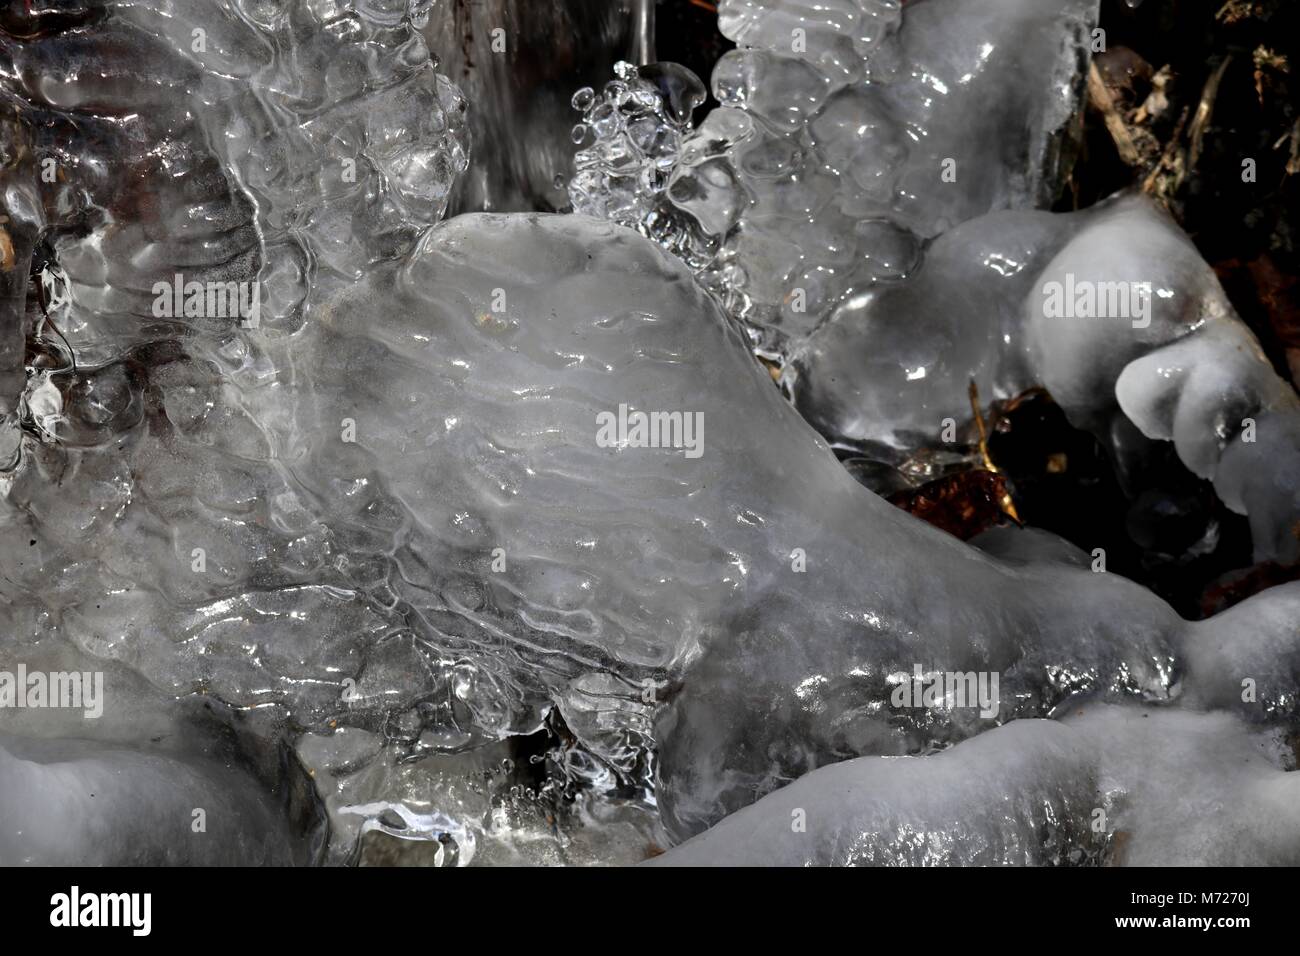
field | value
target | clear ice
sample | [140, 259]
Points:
[366, 584]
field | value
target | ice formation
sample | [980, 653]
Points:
[827, 164]
[387, 534]
[519, 124]
[674, 575]
[845, 205]
[1142, 334]
[1108, 785]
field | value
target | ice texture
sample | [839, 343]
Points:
[283, 145]
[90, 805]
[1188, 789]
[518, 62]
[1020, 794]
[1112, 785]
[850, 132]
[148, 779]
[891, 365]
[849, 135]
[469, 808]
[630, 135]
[628, 576]
[1247, 658]
[379, 537]
[232, 141]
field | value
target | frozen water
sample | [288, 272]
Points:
[1184, 789]
[145, 779]
[629, 137]
[626, 576]
[520, 117]
[1020, 794]
[1147, 333]
[1110, 784]
[238, 143]
[849, 132]
[1247, 659]
[90, 805]
[389, 536]
[475, 807]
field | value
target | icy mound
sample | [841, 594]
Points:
[502, 479]
[1185, 789]
[413, 520]
[1248, 657]
[131, 776]
[418, 520]
[92, 806]
[1112, 785]
[1021, 794]
[850, 132]
[850, 137]
[1111, 309]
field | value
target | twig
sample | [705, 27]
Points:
[1204, 112]
[1104, 103]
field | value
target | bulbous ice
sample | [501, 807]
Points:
[850, 132]
[229, 143]
[1110, 784]
[76, 804]
[1020, 794]
[277, 147]
[417, 512]
[131, 776]
[1111, 309]
[418, 475]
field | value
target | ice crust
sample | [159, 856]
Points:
[1109, 785]
[377, 538]
[93, 806]
[822, 171]
[240, 141]
[850, 136]
[890, 366]
[1020, 794]
[626, 569]
[149, 780]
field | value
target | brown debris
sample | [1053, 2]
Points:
[1204, 113]
[1267, 65]
[1164, 180]
[1278, 294]
[1236, 587]
[963, 504]
[1293, 163]
[1004, 502]
[1235, 11]
[1100, 99]
[1157, 102]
